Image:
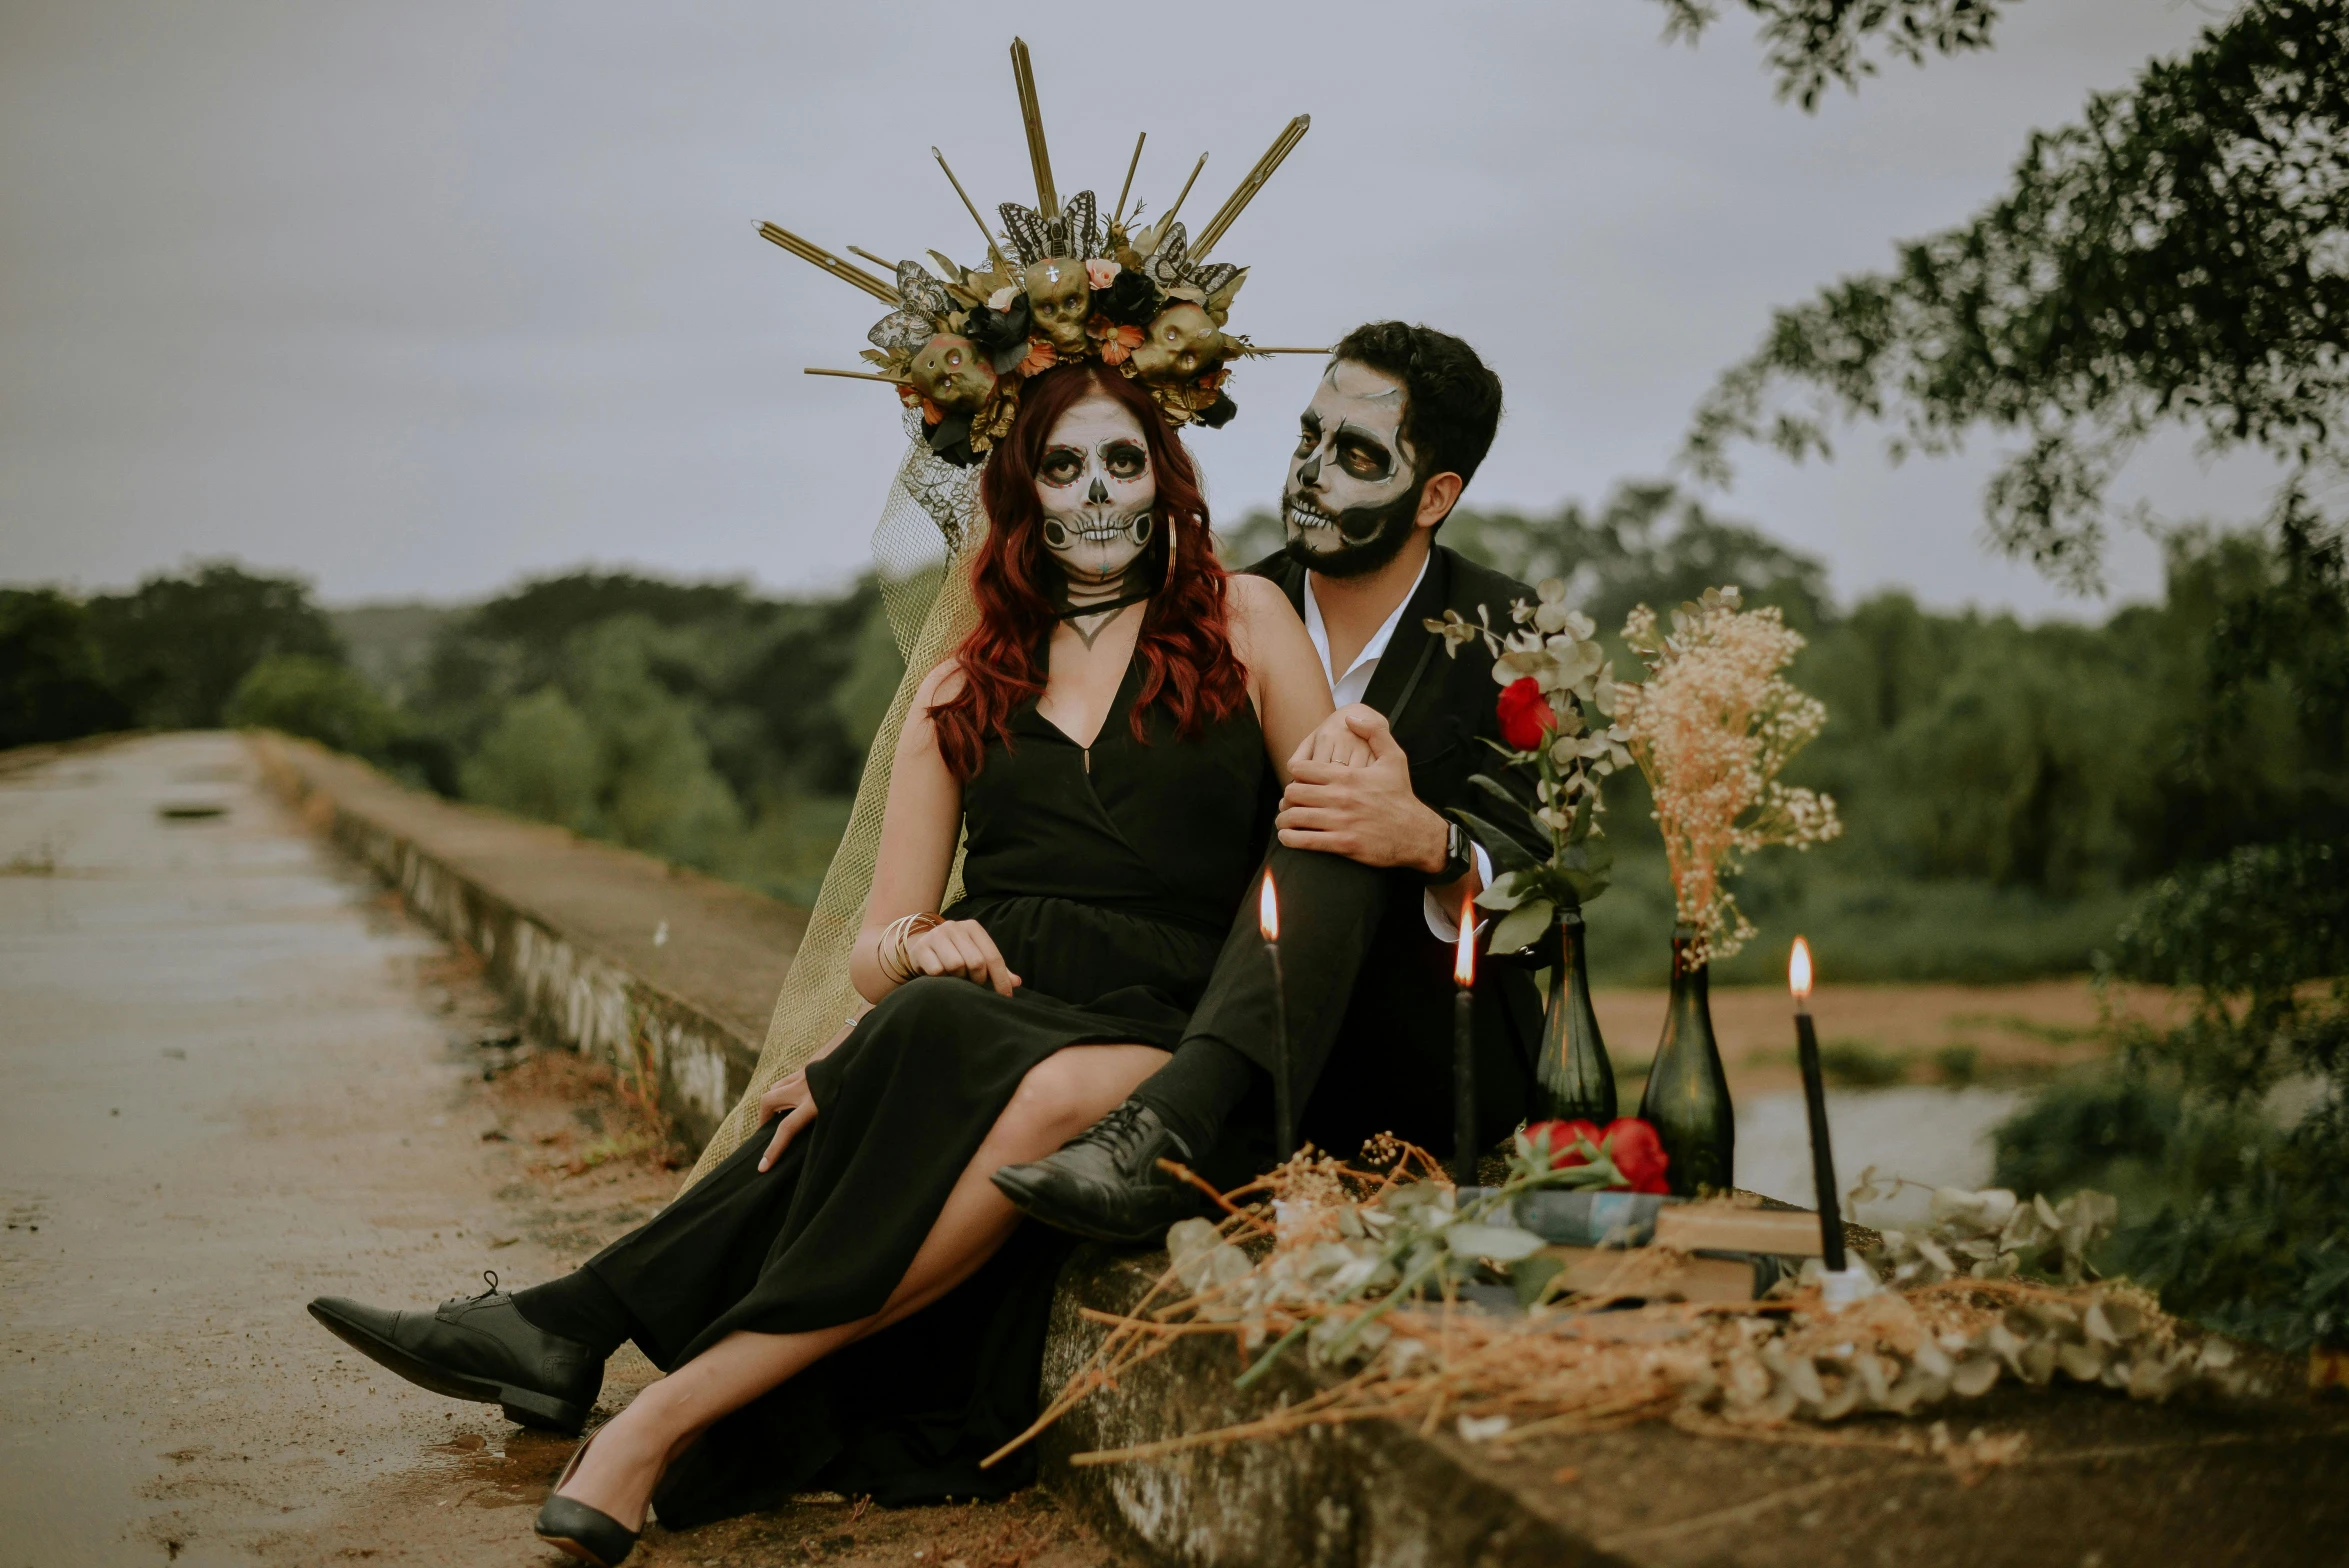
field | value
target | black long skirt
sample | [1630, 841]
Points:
[822, 1239]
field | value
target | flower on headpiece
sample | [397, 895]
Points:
[1129, 299]
[1116, 343]
[1001, 299]
[1002, 335]
[1100, 271]
[1042, 356]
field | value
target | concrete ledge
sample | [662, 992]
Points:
[663, 973]
[1371, 1494]
[569, 928]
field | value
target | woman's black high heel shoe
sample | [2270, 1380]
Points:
[589, 1534]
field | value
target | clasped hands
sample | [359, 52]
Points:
[1350, 794]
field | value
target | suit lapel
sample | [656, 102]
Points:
[1284, 573]
[1402, 674]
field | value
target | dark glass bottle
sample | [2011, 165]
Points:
[1572, 1072]
[1687, 1097]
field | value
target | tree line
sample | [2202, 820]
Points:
[2005, 786]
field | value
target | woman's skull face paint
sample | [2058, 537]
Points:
[1353, 491]
[1097, 490]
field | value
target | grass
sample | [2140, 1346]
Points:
[1863, 926]
[2028, 1028]
[1957, 1064]
[1860, 1064]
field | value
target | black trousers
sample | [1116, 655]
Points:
[1370, 997]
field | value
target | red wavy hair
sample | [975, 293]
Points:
[1185, 646]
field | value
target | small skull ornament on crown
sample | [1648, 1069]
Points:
[1060, 286]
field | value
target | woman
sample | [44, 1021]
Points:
[1102, 736]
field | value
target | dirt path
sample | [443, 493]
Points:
[233, 1076]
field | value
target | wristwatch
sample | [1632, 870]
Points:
[1456, 856]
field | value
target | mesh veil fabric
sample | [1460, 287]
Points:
[928, 527]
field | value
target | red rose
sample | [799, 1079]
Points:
[1526, 719]
[1563, 1153]
[1637, 1152]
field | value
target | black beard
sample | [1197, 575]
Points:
[1373, 535]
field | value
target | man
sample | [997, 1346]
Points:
[1371, 870]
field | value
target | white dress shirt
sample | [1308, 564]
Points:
[1348, 688]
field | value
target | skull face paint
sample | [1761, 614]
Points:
[952, 372]
[1183, 344]
[1097, 489]
[1353, 492]
[1059, 298]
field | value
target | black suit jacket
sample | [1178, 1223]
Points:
[1391, 1066]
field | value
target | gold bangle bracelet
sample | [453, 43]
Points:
[897, 965]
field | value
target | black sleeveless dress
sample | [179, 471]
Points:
[1109, 877]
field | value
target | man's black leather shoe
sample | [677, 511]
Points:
[480, 1348]
[1105, 1184]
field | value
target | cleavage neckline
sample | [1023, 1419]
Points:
[1117, 702]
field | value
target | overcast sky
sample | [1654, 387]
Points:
[416, 298]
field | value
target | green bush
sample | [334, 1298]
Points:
[51, 686]
[540, 761]
[316, 699]
[2232, 1216]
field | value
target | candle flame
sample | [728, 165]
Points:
[1798, 971]
[1268, 910]
[1464, 952]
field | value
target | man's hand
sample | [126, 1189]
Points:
[1366, 812]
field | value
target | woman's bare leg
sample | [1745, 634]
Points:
[1060, 1098]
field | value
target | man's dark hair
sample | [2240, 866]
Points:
[1452, 400]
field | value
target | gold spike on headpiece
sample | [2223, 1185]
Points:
[852, 375]
[1127, 189]
[1167, 216]
[882, 262]
[1024, 75]
[845, 271]
[1289, 137]
[993, 249]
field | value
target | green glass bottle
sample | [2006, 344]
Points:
[1574, 1078]
[1687, 1097]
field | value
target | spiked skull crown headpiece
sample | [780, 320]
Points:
[1059, 286]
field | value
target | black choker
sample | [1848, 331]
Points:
[1079, 611]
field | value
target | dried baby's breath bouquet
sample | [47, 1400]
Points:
[1712, 727]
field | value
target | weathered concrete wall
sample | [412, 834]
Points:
[483, 879]
[669, 976]
[1366, 1495]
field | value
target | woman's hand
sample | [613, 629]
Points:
[788, 1097]
[790, 1093]
[961, 948]
[1338, 741]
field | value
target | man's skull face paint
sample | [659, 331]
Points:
[952, 373]
[1059, 299]
[1097, 489]
[1353, 491]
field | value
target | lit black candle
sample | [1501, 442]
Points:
[1806, 1045]
[1464, 1046]
[1284, 1113]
